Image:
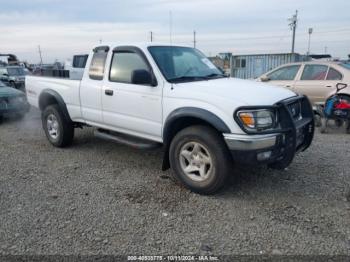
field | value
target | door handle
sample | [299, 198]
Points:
[109, 92]
[328, 86]
[288, 86]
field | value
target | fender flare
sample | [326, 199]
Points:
[48, 93]
[195, 112]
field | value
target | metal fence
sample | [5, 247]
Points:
[252, 66]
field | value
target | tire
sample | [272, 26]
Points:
[1, 119]
[59, 130]
[202, 151]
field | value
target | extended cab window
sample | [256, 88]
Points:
[314, 72]
[123, 65]
[284, 73]
[97, 65]
[334, 74]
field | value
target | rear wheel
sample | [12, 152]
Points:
[200, 159]
[58, 129]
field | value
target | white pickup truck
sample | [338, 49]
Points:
[149, 95]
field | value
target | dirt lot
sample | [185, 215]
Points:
[97, 197]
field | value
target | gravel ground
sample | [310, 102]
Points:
[97, 197]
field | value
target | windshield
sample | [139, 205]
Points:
[347, 66]
[183, 64]
[15, 71]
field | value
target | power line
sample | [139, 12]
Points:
[268, 37]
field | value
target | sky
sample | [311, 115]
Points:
[63, 28]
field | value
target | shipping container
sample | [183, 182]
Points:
[253, 66]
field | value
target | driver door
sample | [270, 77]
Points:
[128, 107]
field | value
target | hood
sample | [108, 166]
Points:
[9, 91]
[248, 92]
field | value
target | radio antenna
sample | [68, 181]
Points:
[171, 27]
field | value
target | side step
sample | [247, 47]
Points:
[128, 140]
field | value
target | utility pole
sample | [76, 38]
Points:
[325, 50]
[308, 47]
[151, 36]
[194, 39]
[293, 26]
[41, 58]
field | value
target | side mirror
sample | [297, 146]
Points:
[5, 75]
[142, 77]
[264, 79]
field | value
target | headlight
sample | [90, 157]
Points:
[257, 120]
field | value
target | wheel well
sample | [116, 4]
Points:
[181, 123]
[46, 100]
[175, 127]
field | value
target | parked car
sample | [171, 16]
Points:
[13, 76]
[149, 95]
[317, 79]
[12, 102]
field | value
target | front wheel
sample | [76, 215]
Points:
[200, 159]
[58, 129]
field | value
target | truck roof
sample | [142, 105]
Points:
[143, 45]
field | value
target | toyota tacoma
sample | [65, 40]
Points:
[149, 95]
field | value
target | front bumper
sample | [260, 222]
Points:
[294, 135]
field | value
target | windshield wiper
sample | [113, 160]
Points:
[195, 78]
[185, 78]
[214, 75]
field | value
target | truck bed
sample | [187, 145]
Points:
[68, 89]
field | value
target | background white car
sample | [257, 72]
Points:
[316, 79]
